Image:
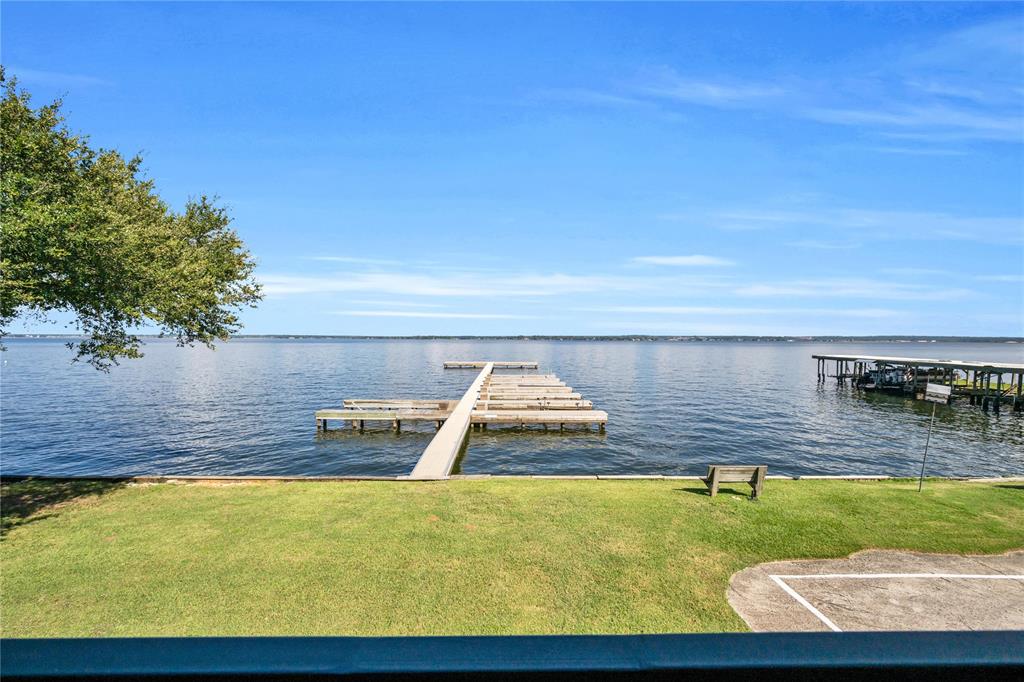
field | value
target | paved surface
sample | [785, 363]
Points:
[883, 590]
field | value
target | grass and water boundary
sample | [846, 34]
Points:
[494, 556]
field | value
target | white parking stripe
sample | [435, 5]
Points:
[806, 604]
[780, 581]
[878, 576]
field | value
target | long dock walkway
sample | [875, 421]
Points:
[439, 457]
[491, 399]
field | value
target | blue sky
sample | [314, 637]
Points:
[575, 169]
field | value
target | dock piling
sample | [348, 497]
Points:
[982, 382]
[515, 400]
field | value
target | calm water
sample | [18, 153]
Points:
[247, 408]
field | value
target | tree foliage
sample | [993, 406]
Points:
[84, 232]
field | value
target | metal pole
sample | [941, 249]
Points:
[920, 482]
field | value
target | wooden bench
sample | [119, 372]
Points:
[728, 473]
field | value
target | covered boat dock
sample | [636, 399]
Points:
[981, 383]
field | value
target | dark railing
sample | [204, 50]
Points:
[793, 656]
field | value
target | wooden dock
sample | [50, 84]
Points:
[491, 399]
[438, 458]
[475, 364]
[981, 383]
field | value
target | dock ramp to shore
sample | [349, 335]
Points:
[491, 399]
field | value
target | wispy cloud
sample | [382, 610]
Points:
[853, 288]
[743, 311]
[400, 304]
[666, 83]
[55, 79]
[821, 245]
[878, 224]
[946, 122]
[919, 151]
[585, 97]
[964, 85]
[354, 260]
[431, 315]
[1001, 278]
[459, 284]
[915, 272]
[686, 261]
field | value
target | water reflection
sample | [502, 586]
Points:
[673, 408]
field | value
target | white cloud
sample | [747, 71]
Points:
[945, 121]
[878, 224]
[736, 311]
[400, 304]
[821, 245]
[432, 315]
[853, 288]
[55, 79]
[690, 261]
[354, 260]
[1001, 278]
[961, 85]
[587, 97]
[919, 151]
[912, 272]
[470, 284]
[667, 83]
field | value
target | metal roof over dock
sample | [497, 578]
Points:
[1009, 368]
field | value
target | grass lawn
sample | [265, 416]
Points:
[461, 557]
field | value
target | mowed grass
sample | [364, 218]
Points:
[460, 557]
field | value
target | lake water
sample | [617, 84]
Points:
[247, 408]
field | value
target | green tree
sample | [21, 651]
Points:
[82, 231]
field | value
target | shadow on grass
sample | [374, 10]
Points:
[705, 492]
[1010, 486]
[31, 499]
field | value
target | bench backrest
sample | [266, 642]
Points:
[733, 474]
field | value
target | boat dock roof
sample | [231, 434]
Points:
[1011, 368]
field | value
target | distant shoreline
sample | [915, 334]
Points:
[620, 337]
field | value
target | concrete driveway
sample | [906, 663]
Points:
[883, 590]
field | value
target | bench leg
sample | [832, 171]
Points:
[713, 484]
[758, 484]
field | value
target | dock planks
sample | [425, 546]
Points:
[369, 414]
[536, 395]
[438, 458]
[497, 364]
[492, 399]
[521, 417]
[534, 404]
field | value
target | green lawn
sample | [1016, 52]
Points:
[462, 557]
